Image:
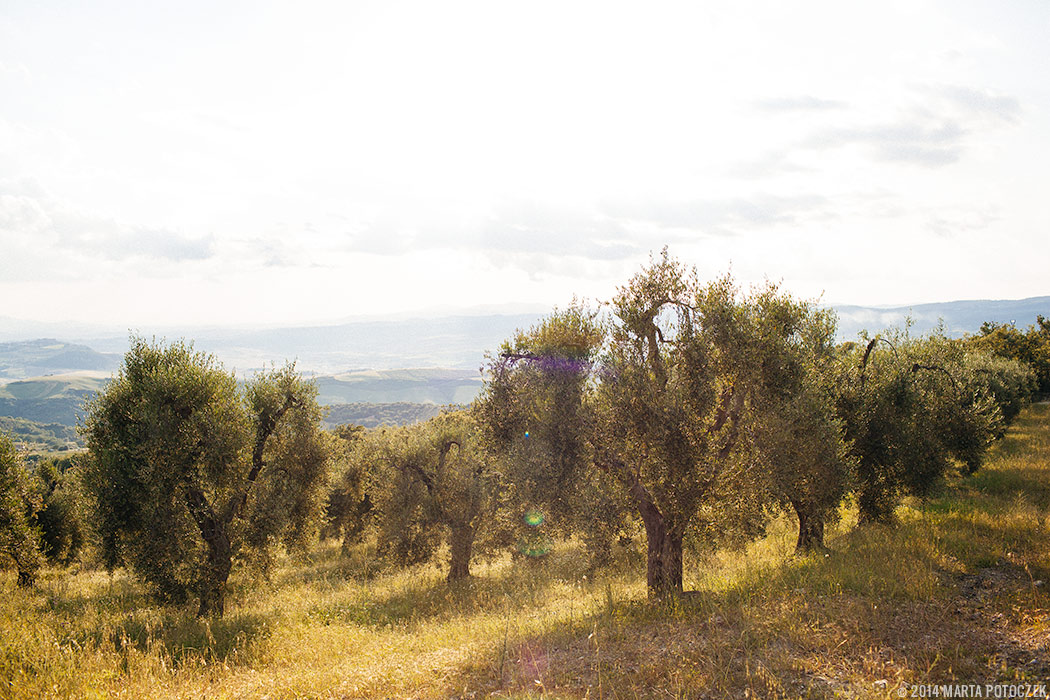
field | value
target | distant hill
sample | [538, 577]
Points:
[372, 415]
[366, 397]
[959, 317]
[458, 342]
[31, 358]
[419, 386]
[52, 399]
[447, 341]
[40, 437]
[421, 364]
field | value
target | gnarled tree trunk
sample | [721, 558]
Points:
[461, 544]
[216, 569]
[810, 528]
[664, 560]
[214, 575]
[664, 545]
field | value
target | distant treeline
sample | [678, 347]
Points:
[40, 437]
[61, 410]
[373, 415]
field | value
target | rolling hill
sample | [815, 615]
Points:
[43, 356]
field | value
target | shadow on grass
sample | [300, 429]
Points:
[115, 613]
[952, 593]
[423, 594]
[180, 637]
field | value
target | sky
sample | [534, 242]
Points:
[306, 162]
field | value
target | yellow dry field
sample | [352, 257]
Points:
[958, 591]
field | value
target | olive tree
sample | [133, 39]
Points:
[1031, 346]
[432, 482]
[348, 507]
[60, 518]
[670, 406]
[795, 430]
[1010, 383]
[538, 416]
[912, 409]
[189, 473]
[19, 502]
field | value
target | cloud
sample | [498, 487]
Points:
[724, 217]
[801, 103]
[120, 243]
[17, 70]
[948, 224]
[20, 213]
[36, 219]
[508, 227]
[767, 165]
[933, 132]
[981, 103]
[930, 145]
[532, 228]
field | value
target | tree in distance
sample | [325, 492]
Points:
[795, 432]
[1031, 346]
[189, 474]
[19, 502]
[60, 518]
[537, 414]
[912, 409]
[348, 508]
[433, 480]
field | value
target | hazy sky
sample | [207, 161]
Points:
[219, 162]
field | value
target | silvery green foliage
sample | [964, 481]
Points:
[1030, 346]
[433, 483]
[672, 401]
[537, 413]
[20, 499]
[913, 409]
[61, 518]
[189, 473]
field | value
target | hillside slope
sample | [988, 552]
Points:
[43, 356]
[956, 593]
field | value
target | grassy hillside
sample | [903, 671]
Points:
[48, 356]
[371, 415]
[52, 399]
[435, 386]
[60, 386]
[956, 593]
[40, 437]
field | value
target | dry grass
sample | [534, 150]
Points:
[955, 592]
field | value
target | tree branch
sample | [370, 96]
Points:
[267, 425]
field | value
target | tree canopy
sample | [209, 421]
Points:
[667, 398]
[19, 502]
[188, 472]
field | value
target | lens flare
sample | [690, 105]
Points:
[535, 544]
[526, 434]
[534, 518]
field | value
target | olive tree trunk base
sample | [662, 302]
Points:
[461, 545]
[810, 530]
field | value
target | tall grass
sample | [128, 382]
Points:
[956, 591]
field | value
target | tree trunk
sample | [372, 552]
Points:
[214, 575]
[810, 529]
[461, 543]
[664, 560]
[216, 569]
[664, 544]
